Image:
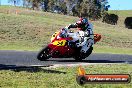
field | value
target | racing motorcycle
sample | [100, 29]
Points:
[63, 47]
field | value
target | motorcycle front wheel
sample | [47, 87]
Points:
[44, 54]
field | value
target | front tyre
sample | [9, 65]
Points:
[44, 54]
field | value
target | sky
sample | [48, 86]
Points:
[114, 4]
[120, 4]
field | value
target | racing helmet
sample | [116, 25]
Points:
[82, 23]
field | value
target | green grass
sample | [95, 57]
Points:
[112, 50]
[64, 77]
[30, 30]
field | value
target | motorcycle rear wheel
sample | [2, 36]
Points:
[43, 55]
[81, 56]
[89, 51]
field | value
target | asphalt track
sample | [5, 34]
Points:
[28, 58]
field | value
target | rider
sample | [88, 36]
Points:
[86, 30]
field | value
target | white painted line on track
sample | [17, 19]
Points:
[78, 64]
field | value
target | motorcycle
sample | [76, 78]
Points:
[62, 47]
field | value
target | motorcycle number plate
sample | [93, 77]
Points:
[59, 42]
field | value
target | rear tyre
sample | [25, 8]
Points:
[89, 51]
[44, 54]
[78, 58]
[81, 56]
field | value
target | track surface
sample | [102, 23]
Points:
[26, 58]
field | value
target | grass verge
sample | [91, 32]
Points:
[30, 30]
[63, 77]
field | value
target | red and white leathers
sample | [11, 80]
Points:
[86, 36]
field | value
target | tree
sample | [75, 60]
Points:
[51, 5]
[69, 4]
[63, 7]
[25, 3]
[77, 8]
[35, 4]
[14, 2]
[44, 5]
[93, 9]
[88, 8]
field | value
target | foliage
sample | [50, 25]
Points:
[35, 4]
[88, 8]
[77, 8]
[92, 9]
[63, 7]
[14, 1]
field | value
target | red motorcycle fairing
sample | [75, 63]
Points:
[61, 51]
[63, 48]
